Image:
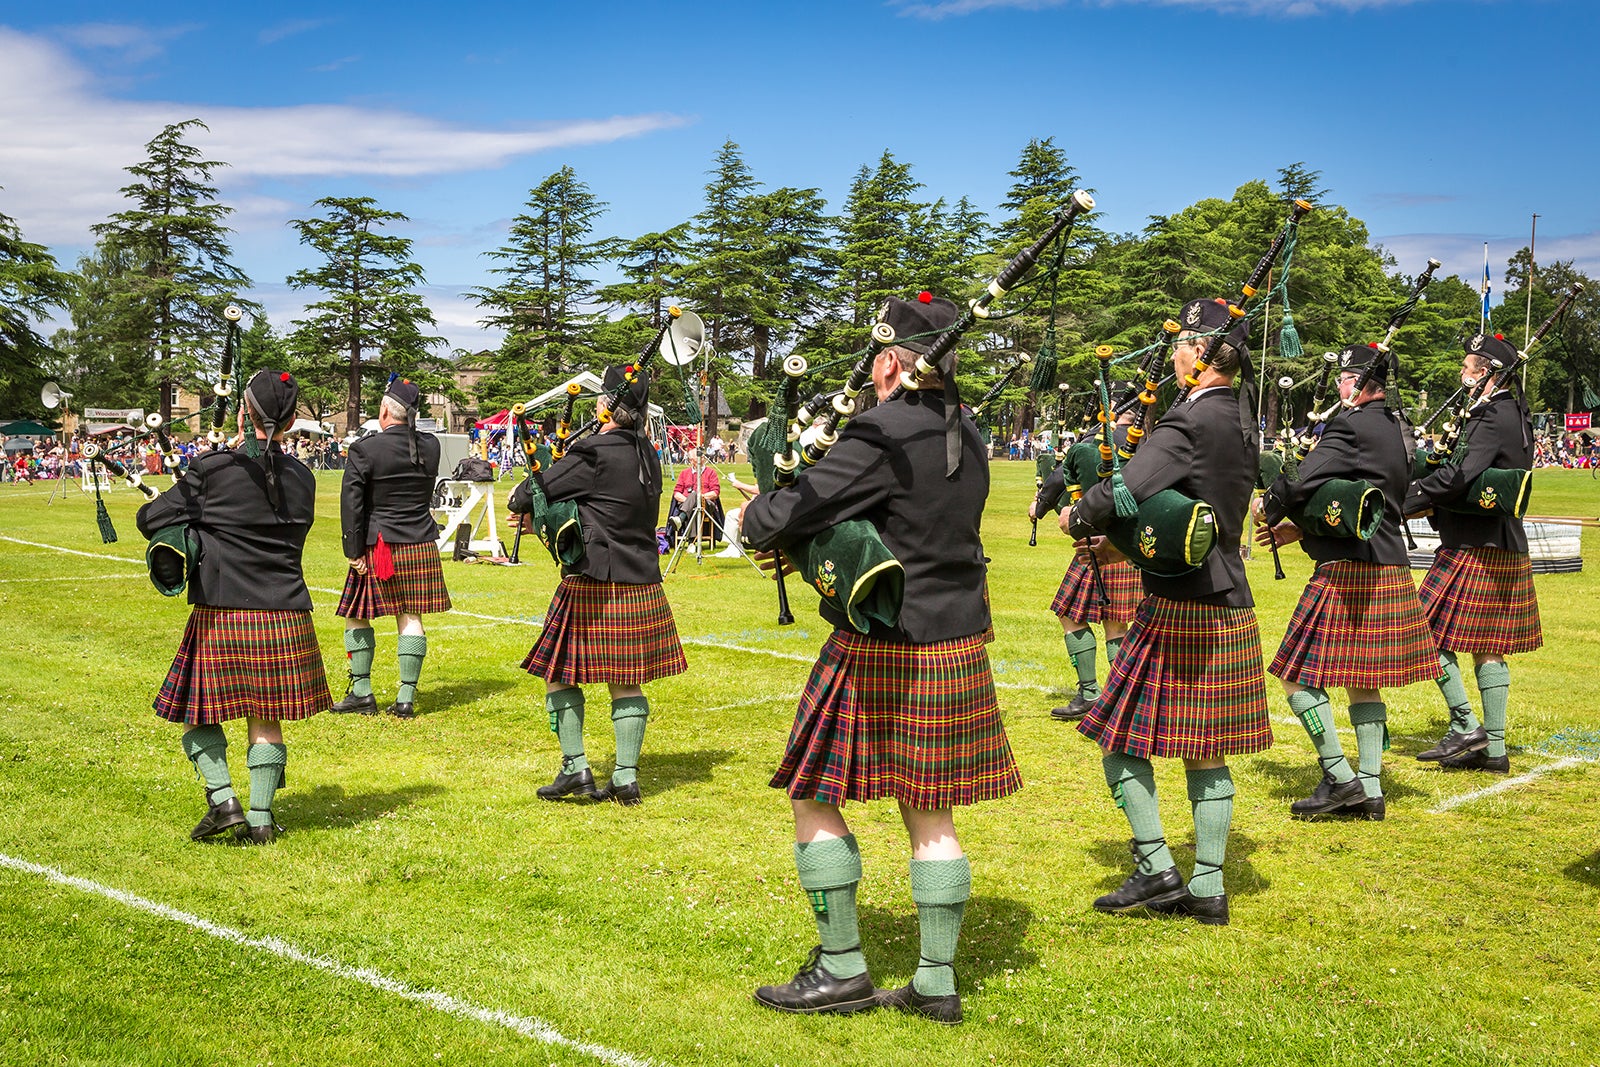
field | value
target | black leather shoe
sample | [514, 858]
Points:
[218, 817]
[565, 785]
[1372, 809]
[407, 710]
[352, 704]
[1076, 709]
[256, 835]
[1478, 760]
[1210, 911]
[1329, 798]
[1454, 744]
[1143, 891]
[944, 1009]
[626, 795]
[814, 991]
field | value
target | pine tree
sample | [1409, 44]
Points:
[30, 286]
[796, 261]
[546, 287]
[175, 243]
[369, 307]
[652, 267]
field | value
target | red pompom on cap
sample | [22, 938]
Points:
[1372, 344]
[283, 377]
[1219, 301]
[1499, 337]
[925, 297]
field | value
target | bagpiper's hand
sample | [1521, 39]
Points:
[1285, 533]
[1065, 522]
[1258, 509]
[359, 565]
[1098, 547]
[519, 521]
[770, 561]
[1033, 510]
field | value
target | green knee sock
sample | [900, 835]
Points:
[1113, 648]
[266, 762]
[413, 649]
[207, 749]
[1211, 796]
[1494, 687]
[1133, 787]
[1462, 721]
[940, 889]
[1080, 649]
[566, 721]
[1371, 720]
[628, 716]
[829, 872]
[1312, 709]
[359, 643]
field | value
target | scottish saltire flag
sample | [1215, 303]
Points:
[1485, 313]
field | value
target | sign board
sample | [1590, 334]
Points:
[1578, 422]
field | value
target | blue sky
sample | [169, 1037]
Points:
[1442, 123]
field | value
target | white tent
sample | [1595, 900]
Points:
[590, 382]
[307, 426]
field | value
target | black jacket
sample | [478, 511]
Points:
[1198, 449]
[888, 468]
[249, 554]
[1495, 436]
[385, 493]
[1368, 443]
[616, 509]
[1053, 491]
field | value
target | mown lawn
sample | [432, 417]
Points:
[1463, 936]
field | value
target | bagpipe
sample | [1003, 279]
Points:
[173, 550]
[1170, 533]
[1497, 491]
[1350, 507]
[849, 563]
[556, 523]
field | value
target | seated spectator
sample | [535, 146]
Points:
[695, 479]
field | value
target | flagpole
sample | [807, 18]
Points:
[1527, 321]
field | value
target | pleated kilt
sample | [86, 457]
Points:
[1482, 600]
[234, 663]
[919, 723]
[606, 632]
[1357, 625]
[1188, 682]
[1079, 600]
[417, 587]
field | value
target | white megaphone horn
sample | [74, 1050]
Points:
[52, 396]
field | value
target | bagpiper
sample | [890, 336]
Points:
[391, 542]
[1478, 596]
[609, 620]
[1188, 683]
[904, 711]
[1358, 623]
[249, 650]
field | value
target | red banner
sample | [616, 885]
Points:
[1577, 422]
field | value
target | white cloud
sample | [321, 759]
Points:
[456, 313]
[290, 28]
[941, 9]
[1462, 253]
[67, 142]
[131, 44]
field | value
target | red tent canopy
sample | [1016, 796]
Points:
[498, 421]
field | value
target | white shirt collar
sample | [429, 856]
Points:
[1198, 393]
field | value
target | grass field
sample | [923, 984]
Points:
[1457, 932]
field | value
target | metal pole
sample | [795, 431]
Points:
[1527, 321]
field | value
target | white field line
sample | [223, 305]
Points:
[536, 1029]
[1508, 784]
[96, 578]
[71, 551]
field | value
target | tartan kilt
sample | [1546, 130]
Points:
[606, 632]
[417, 587]
[1187, 683]
[233, 663]
[919, 723]
[1078, 600]
[1357, 625]
[1482, 600]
